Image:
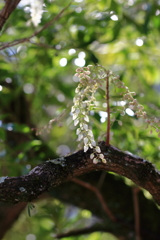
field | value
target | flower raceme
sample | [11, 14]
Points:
[84, 102]
[90, 79]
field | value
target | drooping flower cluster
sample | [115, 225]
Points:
[90, 79]
[138, 108]
[84, 101]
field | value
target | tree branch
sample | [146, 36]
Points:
[77, 232]
[27, 39]
[99, 196]
[136, 212]
[9, 7]
[88, 230]
[54, 172]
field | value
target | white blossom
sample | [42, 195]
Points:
[98, 150]
[103, 160]
[76, 122]
[101, 155]
[87, 72]
[86, 118]
[92, 155]
[93, 143]
[90, 133]
[78, 131]
[85, 140]
[77, 111]
[85, 126]
[90, 145]
[77, 90]
[86, 148]
[80, 136]
[84, 112]
[74, 116]
[72, 109]
[95, 160]
[84, 104]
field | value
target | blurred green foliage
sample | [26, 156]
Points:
[38, 77]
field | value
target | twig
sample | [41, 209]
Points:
[99, 196]
[136, 212]
[43, 45]
[77, 232]
[101, 180]
[108, 111]
[17, 41]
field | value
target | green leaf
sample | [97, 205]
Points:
[30, 207]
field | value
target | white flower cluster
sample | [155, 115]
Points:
[36, 10]
[90, 79]
[84, 101]
[138, 108]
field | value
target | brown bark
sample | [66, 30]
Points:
[8, 8]
[54, 172]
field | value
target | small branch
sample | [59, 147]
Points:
[136, 212]
[22, 40]
[78, 232]
[99, 196]
[101, 180]
[108, 111]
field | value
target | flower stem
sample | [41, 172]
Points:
[108, 111]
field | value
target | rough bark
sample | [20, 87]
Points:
[54, 172]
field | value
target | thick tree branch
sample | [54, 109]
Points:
[54, 172]
[9, 7]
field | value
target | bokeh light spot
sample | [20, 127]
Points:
[80, 62]
[129, 112]
[139, 42]
[60, 97]
[30, 237]
[63, 150]
[81, 55]
[114, 17]
[63, 62]
[28, 88]
[8, 80]
[71, 51]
